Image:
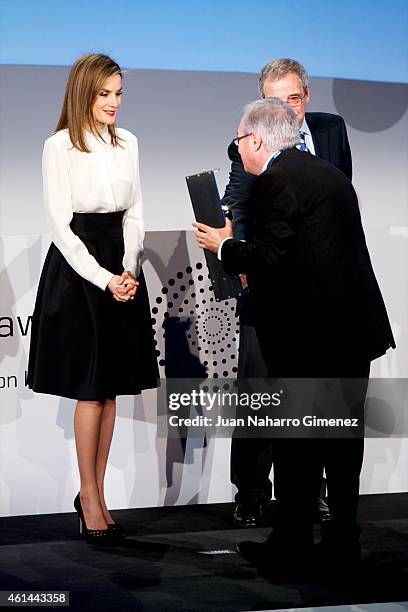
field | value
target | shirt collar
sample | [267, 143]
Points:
[304, 127]
[266, 164]
[104, 134]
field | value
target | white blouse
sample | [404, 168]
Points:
[105, 180]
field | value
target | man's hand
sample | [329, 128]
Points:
[210, 238]
[244, 282]
[123, 287]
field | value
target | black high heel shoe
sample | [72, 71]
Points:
[93, 536]
[117, 529]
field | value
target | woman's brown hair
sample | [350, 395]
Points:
[85, 81]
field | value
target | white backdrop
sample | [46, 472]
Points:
[184, 122]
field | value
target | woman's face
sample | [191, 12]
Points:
[108, 101]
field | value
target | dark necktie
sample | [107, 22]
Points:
[302, 145]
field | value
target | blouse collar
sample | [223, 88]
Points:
[102, 138]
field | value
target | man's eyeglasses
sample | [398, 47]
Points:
[294, 100]
[238, 138]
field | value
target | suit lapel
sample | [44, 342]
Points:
[320, 138]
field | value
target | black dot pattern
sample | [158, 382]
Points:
[211, 327]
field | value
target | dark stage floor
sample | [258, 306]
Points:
[161, 565]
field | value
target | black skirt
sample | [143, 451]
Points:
[84, 344]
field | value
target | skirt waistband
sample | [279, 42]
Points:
[98, 226]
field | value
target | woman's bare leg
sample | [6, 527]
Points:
[105, 439]
[87, 426]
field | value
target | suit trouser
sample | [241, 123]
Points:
[297, 474]
[251, 458]
[298, 462]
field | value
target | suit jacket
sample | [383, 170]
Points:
[313, 291]
[329, 136]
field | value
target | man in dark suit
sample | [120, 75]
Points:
[318, 313]
[325, 136]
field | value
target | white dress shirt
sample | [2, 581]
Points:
[104, 180]
[308, 137]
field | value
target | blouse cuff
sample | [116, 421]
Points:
[133, 263]
[103, 278]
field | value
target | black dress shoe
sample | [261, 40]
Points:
[278, 561]
[321, 511]
[268, 512]
[338, 562]
[339, 548]
[247, 515]
[257, 553]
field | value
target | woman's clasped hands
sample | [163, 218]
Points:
[124, 287]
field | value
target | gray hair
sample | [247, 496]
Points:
[279, 68]
[274, 120]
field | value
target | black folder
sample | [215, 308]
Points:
[206, 203]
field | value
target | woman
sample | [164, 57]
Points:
[91, 336]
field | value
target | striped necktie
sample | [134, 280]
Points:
[302, 145]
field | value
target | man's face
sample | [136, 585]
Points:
[288, 85]
[247, 151]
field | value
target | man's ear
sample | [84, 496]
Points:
[307, 96]
[256, 141]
